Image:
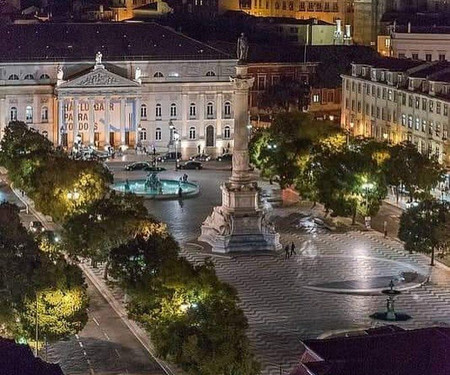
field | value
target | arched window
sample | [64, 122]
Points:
[227, 109]
[227, 132]
[173, 110]
[210, 73]
[44, 76]
[29, 76]
[29, 113]
[45, 133]
[44, 114]
[192, 132]
[158, 75]
[13, 77]
[158, 112]
[158, 134]
[13, 114]
[210, 110]
[192, 110]
[143, 111]
[143, 134]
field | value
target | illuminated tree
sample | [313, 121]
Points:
[425, 227]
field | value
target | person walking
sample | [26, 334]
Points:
[286, 252]
[385, 232]
[293, 249]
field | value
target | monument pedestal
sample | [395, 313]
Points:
[240, 224]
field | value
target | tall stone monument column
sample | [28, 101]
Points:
[240, 224]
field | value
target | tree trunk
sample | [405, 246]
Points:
[354, 217]
[105, 273]
[432, 256]
[397, 193]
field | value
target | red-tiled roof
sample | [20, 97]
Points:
[382, 352]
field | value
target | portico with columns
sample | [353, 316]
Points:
[98, 109]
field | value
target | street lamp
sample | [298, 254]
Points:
[139, 129]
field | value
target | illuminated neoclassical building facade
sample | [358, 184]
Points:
[146, 83]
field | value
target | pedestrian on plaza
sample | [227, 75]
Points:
[293, 249]
[180, 192]
[286, 252]
[23, 193]
[385, 229]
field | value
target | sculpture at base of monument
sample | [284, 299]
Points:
[266, 225]
[242, 49]
[219, 221]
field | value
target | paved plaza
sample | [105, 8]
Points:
[276, 294]
[330, 286]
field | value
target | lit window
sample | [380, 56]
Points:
[192, 110]
[210, 74]
[227, 132]
[29, 76]
[158, 134]
[158, 111]
[13, 77]
[210, 110]
[173, 110]
[13, 114]
[192, 132]
[143, 111]
[29, 113]
[158, 75]
[44, 114]
[316, 98]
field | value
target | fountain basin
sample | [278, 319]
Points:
[169, 189]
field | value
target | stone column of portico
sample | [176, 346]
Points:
[107, 127]
[122, 121]
[60, 124]
[242, 84]
[137, 119]
[75, 120]
[219, 108]
[91, 123]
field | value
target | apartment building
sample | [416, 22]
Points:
[399, 100]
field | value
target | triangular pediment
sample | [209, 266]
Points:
[99, 77]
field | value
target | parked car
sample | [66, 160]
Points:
[201, 157]
[191, 165]
[137, 166]
[170, 156]
[143, 166]
[36, 227]
[225, 157]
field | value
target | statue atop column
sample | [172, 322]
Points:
[242, 49]
[137, 75]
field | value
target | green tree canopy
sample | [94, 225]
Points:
[28, 274]
[425, 227]
[417, 172]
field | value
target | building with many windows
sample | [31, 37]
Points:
[427, 43]
[147, 83]
[400, 100]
